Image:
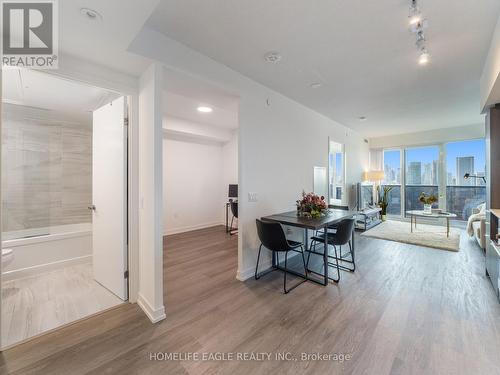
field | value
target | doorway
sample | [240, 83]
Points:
[200, 186]
[64, 202]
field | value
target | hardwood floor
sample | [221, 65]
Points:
[406, 310]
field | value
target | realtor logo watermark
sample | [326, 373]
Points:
[30, 34]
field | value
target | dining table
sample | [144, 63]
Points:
[294, 219]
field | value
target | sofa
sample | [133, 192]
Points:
[479, 228]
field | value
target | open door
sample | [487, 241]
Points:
[109, 191]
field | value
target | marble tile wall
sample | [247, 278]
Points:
[46, 170]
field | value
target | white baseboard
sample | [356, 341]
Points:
[43, 268]
[263, 266]
[250, 272]
[154, 315]
[167, 232]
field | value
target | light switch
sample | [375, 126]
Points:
[252, 197]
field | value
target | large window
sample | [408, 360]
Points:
[465, 194]
[422, 176]
[454, 172]
[392, 178]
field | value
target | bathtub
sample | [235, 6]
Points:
[45, 249]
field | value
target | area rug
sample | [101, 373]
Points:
[424, 235]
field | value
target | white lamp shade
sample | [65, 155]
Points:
[373, 175]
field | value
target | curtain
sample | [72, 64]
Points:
[376, 159]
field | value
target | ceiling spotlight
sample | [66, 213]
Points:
[316, 85]
[414, 16]
[204, 109]
[424, 57]
[362, 118]
[90, 14]
[272, 57]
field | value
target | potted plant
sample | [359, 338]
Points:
[311, 205]
[428, 200]
[383, 200]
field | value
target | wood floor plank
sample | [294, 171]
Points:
[406, 310]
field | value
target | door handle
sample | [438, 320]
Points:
[92, 208]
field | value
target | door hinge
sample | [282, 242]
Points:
[125, 121]
[125, 275]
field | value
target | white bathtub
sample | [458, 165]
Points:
[45, 249]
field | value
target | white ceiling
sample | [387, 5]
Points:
[105, 42]
[183, 94]
[41, 90]
[361, 51]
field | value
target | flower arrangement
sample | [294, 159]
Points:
[428, 199]
[312, 205]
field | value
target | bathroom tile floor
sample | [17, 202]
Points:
[40, 303]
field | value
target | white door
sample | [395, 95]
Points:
[109, 191]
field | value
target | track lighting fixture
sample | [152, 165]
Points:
[417, 26]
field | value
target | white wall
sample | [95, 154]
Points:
[199, 161]
[429, 137]
[490, 78]
[229, 164]
[195, 131]
[192, 175]
[150, 295]
[280, 141]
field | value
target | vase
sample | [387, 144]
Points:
[428, 209]
[384, 217]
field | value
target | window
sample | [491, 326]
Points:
[439, 170]
[392, 178]
[465, 194]
[336, 171]
[422, 175]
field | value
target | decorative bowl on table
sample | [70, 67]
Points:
[312, 205]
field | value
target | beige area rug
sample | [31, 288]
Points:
[424, 235]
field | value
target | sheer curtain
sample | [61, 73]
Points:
[376, 159]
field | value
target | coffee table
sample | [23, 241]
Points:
[441, 215]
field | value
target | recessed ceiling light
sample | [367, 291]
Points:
[362, 118]
[272, 57]
[204, 109]
[90, 14]
[316, 85]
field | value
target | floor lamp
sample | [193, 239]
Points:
[376, 177]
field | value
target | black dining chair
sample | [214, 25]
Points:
[273, 238]
[334, 207]
[234, 211]
[341, 236]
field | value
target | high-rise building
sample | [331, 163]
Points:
[450, 179]
[414, 173]
[427, 174]
[465, 164]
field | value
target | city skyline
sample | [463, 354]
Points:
[461, 157]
